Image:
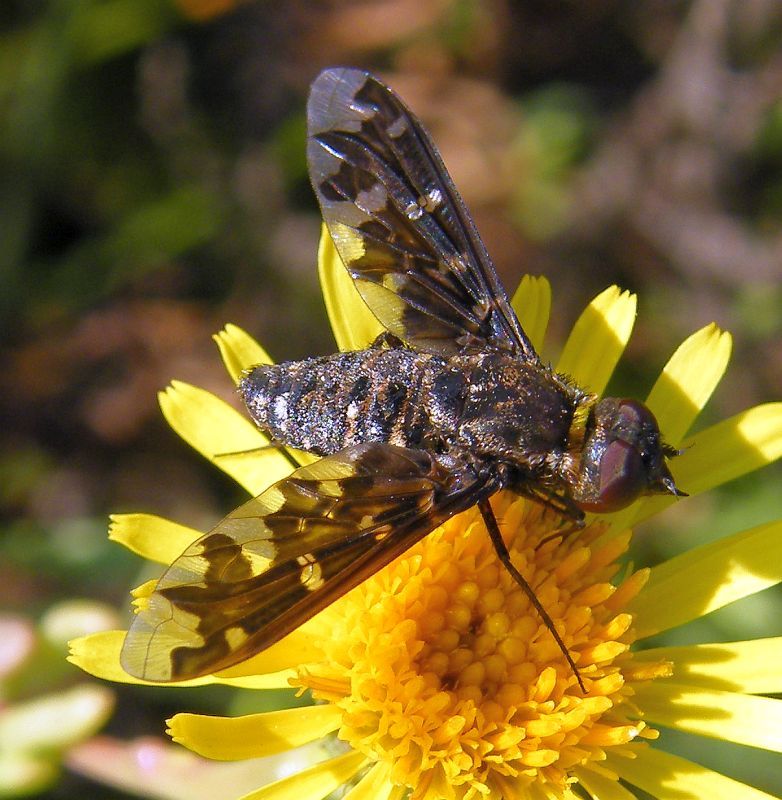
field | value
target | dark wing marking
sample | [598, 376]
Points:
[398, 222]
[280, 558]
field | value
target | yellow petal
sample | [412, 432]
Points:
[532, 304]
[734, 717]
[313, 783]
[268, 680]
[687, 381]
[709, 577]
[297, 647]
[598, 339]
[229, 440]
[665, 776]
[253, 735]
[681, 391]
[751, 667]
[239, 351]
[732, 448]
[355, 326]
[154, 538]
[98, 654]
[601, 787]
[727, 450]
[373, 786]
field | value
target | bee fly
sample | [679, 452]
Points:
[449, 406]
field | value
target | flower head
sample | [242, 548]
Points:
[445, 674]
[437, 674]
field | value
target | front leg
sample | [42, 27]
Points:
[562, 504]
[572, 517]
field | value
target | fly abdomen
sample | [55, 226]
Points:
[323, 405]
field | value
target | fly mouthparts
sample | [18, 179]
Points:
[670, 488]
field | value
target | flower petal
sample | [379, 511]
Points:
[688, 380]
[598, 339]
[751, 666]
[219, 432]
[666, 776]
[732, 448]
[601, 787]
[98, 654]
[734, 717]
[253, 735]
[676, 399]
[267, 680]
[709, 577]
[727, 450]
[532, 304]
[373, 786]
[355, 326]
[296, 648]
[154, 538]
[313, 783]
[239, 351]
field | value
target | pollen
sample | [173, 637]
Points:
[443, 669]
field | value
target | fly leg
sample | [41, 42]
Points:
[502, 552]
[572, 516]
[386, 340]
[254, 451]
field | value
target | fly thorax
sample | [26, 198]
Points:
[511, 409]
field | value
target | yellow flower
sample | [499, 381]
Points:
[437, 676]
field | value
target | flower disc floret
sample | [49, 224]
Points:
[444, 670]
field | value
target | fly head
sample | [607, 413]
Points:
[623, 457]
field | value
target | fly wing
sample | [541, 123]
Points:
[398, 222]
[280, 558]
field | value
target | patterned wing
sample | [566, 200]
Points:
[398, 222]
[285, 555]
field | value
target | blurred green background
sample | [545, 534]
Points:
[153, 187]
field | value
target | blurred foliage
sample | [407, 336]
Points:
[153, 186]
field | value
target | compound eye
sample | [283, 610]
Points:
[635, 415]
[622, 476]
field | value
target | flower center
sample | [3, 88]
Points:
[444, 670]
[482, 640]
